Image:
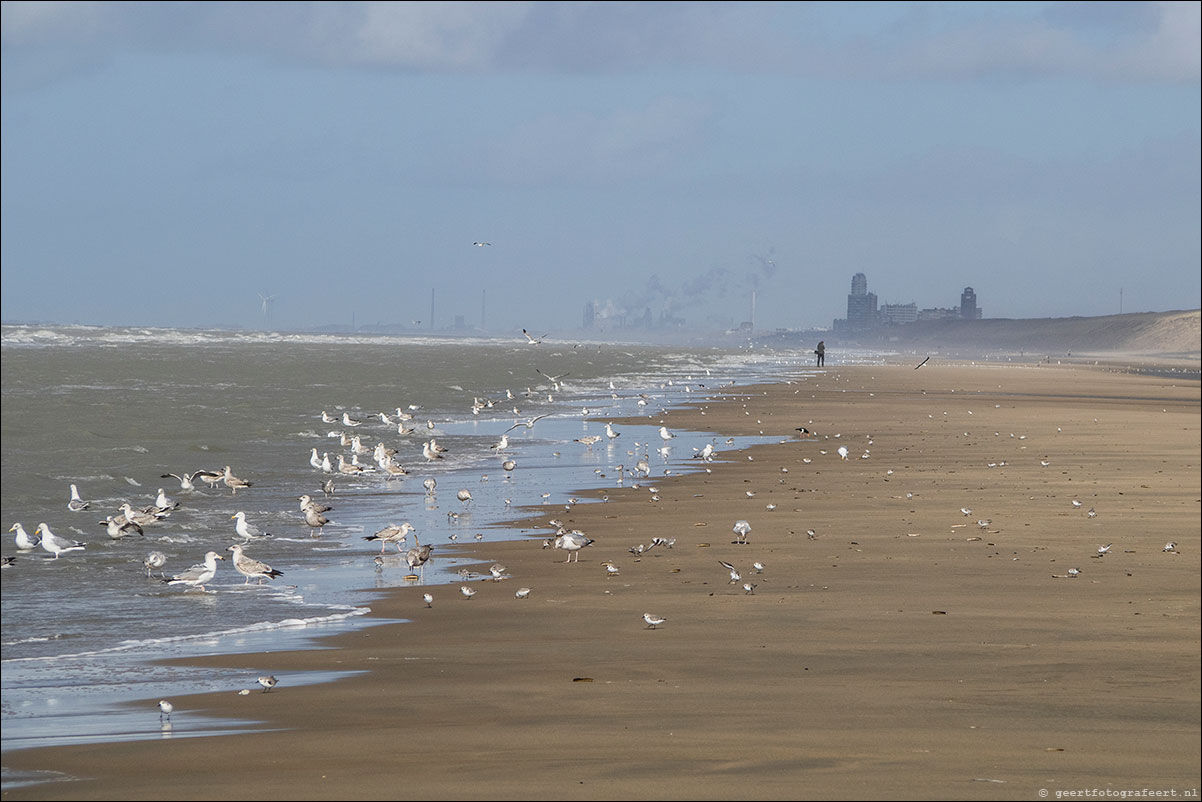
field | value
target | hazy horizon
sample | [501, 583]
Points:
[170, 165]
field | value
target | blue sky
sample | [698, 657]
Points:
[165, 164]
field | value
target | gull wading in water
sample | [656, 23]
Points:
[233, 482]
[25, 542]
[77, 504]
[247, 530]
[154, 560]
[392, 534]
[54, 544]
[251, 568]
[118, 526]
[198, 575]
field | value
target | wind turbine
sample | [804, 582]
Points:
[267, 301]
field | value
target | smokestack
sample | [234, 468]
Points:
[431, 308]
[483, 298]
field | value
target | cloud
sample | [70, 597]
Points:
[939, 41]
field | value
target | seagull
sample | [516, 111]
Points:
[315, 460]
[464, 495]
[570, 542]
[165, 709]
[664, 434]
[56, 545]
[501, 444]
[154, 559]
[610, 433]
[466, 591]
[142, 517]
[119, 526]
[418, 556]
[528, 423]
[307, 502]
[347, 420]
[509, 465]
[1104, 550]
[76, 504]
[481, 244]
[251, 568]
[430, 484]
[327, 417]
[842, 450]
[268, 682]
[186, 481]
[429, 452]
[735, 576]
[653, 621]
[531, 340]
[233, 482]
[589, 440]
[521, 593]
[164, 504]
[198, 575]
[24, 541]
[707, 453]
[392, 534]
[313, 515]
[741, 529]
[247, 530]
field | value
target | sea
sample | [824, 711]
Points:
[114, 409]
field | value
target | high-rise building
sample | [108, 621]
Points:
[861, 305]
[968, 305]
[590, 314]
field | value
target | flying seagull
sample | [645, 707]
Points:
[481, 244]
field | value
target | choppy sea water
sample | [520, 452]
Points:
[112, 409]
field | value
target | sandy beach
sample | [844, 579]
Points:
[904, 650]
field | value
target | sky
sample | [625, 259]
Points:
[172, 164]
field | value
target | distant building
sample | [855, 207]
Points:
[898, 314]
[968, 305]
[938, 313]
[590, 315]
[861, 305]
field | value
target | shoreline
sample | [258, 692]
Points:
[864, 660]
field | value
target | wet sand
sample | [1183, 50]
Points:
[902, 651]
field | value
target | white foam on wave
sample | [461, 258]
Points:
[342, 614]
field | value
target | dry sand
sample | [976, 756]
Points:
[903, 652]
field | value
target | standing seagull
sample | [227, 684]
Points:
[233, 482]
[77, 504]
[154, 559]
[56, 545]
[246, 530]
[25, 542]
[418, 556]
[570, 542]
[198, 575]
[392, 534]
[251, 568]
[664, 434]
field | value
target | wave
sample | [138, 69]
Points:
[344, 614]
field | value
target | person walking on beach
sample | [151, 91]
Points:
[821, 352]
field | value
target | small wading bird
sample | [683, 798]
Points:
[268, 682]
[653, 621]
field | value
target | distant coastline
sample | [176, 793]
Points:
[1175, 335]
